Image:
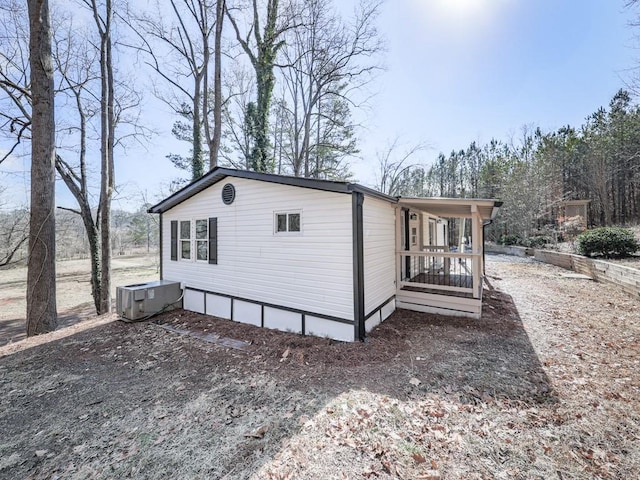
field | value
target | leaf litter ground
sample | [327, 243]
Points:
[545, 385]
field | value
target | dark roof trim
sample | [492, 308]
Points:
[219, 173]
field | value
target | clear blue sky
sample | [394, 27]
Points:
[457, 71]
[464, 70]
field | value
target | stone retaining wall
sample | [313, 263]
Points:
[626, 278]
[508, 250]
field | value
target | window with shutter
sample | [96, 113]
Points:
[213, 240]
[174, 240]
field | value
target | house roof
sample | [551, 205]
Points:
[454, 207]
[438, 206]
[220, 173]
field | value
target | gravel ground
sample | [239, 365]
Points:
[491, 258]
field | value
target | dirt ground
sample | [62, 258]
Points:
[545, 385]
[73, 291]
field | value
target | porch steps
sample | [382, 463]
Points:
[439, 304]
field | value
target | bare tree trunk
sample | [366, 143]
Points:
[214, 146]
[197, 165]
[107, 128]
[41, 274]
[263, 57]
[91, 228]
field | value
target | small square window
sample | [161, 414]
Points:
[288, 222]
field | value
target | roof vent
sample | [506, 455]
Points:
[228, 194]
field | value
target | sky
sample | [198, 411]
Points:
[456, 71]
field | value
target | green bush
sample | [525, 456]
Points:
[510, 240]
[536, 241]
[607, 242]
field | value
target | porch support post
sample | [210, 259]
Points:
[398, 247]
[407, 245]
[357, 200]
[476, 242]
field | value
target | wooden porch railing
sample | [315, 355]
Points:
[439, 270]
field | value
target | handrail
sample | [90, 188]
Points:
[438, 254]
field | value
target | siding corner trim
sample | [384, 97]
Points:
[358, 265]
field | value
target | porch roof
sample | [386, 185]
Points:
[453, 207]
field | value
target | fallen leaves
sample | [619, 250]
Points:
[285, 354]
[258, 433]
[415, 382]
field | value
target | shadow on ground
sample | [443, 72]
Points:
[130, 400]
[14, 330]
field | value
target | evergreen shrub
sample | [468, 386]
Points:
[607, 242]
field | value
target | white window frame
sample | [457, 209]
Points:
[204, 240]
[287, 213]
[182, 239]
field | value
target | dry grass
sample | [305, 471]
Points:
[73, 290]
[544, 386]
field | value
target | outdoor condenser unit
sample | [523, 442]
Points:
[135, 302]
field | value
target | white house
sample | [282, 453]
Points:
[317, 257]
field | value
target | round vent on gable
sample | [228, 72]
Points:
[228, 194]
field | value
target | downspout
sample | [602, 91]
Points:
[160, 245]
[358, 266]
[407, 245]
[484, 252]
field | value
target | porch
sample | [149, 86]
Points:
[439, 255]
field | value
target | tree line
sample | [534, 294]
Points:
[132, 232]
[535, 171]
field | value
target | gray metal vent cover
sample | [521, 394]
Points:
[228, 194]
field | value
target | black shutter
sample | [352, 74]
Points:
[174, 240]
[213, 240]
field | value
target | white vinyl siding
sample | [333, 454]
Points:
[379, 226]
[312, 271]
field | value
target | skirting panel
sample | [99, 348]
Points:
[436, 310]
[380, 315]
[194, 301]
[269, 316]
[388, 309]
[373, 321]
[245, 312]
[282, 320]
[321, 327]
[218, 306]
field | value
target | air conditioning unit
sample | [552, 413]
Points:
[135, 302]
